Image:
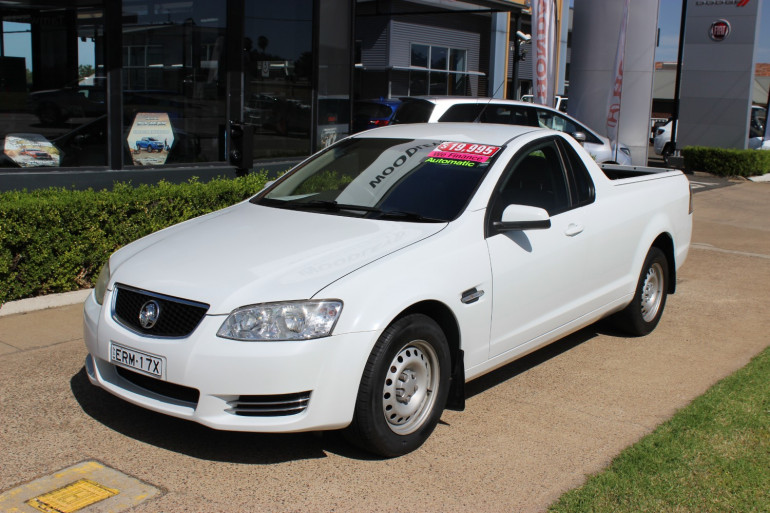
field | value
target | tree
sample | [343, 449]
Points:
[85, 70]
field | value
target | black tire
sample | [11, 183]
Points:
[642, 315]
[403, 389]
[667, 151]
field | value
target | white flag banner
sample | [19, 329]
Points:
[613, 102]
[544, 41]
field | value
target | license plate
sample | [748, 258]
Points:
[144, 362]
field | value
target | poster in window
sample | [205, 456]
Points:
[31, 150]
[150, 138]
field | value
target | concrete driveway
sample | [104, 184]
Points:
[531, 430]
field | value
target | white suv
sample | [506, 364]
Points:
[430, 109]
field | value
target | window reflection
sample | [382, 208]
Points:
[447, 71]
[278, 66]
[173, 65]
[52, 90]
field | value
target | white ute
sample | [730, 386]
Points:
[363, 288]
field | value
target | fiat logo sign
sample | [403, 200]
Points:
[719, 30]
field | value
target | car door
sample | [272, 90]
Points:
[538, 274]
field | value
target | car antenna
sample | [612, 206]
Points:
[481, 112]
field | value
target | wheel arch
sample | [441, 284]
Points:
[444, 317]
[448, 323]
[665, 243]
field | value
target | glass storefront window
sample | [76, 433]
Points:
[178, 77]
[174, 81]
[457, 60]
[52, 86]
[446, 70]
[420, 55]
[438, 57]
[278, 71]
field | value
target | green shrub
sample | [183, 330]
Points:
[56, 240]
[724, 162]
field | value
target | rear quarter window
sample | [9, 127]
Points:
[583, 190]
[489, 113]
[414, 112]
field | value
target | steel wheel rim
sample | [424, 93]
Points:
[410, 387]
[652, 292]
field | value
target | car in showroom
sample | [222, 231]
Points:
[83, 98]
[363, 288]
[441, 109]
[662, 141]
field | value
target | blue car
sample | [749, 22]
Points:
[150, 144]
[373, 113]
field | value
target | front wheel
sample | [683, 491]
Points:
[403, 389]
[643, 314]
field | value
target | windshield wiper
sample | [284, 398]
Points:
[331, 206]
[410, 216]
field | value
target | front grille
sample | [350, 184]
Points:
[164, 388]
[177, 317]
[269, 405]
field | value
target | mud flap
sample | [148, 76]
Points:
[456, 399]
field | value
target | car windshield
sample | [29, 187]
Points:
[394, 179]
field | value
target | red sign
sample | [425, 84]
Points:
[719, 30]
[472, 149]
[464, 151]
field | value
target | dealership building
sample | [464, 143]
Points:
[97, 91]
[150, 89]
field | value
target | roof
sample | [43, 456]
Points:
[483, 133]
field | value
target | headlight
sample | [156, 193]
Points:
[300, 320]
[101, 283]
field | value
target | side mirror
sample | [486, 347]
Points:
[523, 217]
[580, 137]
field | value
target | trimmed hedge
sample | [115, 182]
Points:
[724, 162]
[56, 240]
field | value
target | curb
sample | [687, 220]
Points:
[760, 178]
[43, 302]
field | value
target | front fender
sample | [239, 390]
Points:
[438, 269]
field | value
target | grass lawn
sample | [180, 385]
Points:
[714, 455]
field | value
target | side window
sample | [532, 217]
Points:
[416, 111]
[488, 113]
[536, 178]
[508, 115]
[554, 121]
[462, 112]
[583, 190]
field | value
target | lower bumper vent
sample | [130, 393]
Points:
[269, 405]
[164, 388]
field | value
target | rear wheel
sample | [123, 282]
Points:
[403, 389]
[643, 314]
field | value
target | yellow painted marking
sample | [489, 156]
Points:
[72, 497]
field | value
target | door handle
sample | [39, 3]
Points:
[573, 229]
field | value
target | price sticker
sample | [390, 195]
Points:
[465, 151]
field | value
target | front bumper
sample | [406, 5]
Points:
[223, 372]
